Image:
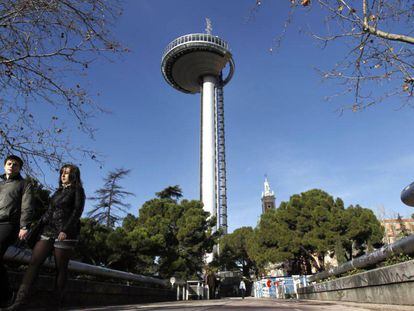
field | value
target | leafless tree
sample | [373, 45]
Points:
[45, 45]
[379, 34]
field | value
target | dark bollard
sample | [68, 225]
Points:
[407, 195]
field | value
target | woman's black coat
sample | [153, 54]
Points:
[64, 212]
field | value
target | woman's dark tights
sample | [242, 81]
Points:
[41, 251]
[62, 257]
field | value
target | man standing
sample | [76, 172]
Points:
[211, 282]
[15, 215]
[242, 288]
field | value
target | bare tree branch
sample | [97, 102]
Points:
[42, 42]
[378, 64]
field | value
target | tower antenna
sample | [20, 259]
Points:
[209, 26]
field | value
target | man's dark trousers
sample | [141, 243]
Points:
[8, 235]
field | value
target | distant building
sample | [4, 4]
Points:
[268, 197]
[394, 228]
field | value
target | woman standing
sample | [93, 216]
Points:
[61, 227]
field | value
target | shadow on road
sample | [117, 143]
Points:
[248, 304]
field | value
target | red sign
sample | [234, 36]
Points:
[269, 283]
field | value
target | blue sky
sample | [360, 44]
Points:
[277, 122]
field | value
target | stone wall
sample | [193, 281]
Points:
[389, 285]
[91, 293]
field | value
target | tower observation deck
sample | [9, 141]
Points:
[193, 64]
[189, 58]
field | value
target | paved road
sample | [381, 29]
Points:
[251, 304]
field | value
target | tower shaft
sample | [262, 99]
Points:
[213, 188]
[208, 156]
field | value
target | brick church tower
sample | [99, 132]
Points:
[268, 197]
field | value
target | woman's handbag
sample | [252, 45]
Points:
[34, 234]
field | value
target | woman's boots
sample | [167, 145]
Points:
[21, 298]
[54, 304]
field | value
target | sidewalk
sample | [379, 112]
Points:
[368, 306]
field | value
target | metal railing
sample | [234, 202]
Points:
[23, 256]
[196, 37]
[403, 246]
[14, 254]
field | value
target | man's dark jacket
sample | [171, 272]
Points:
[15, 200]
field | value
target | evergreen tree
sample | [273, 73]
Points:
[92, 247]
[311, 225]
[403, 229]
[364, 231]
[112, 248]
[233, 252]
[171, 192]
[175, 235]
[110, 199]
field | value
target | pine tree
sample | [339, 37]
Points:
[403, 232]
[171, 192]
[110, 199]
[174, 234]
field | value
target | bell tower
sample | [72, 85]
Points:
[268, 197]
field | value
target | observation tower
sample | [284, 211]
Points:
[192, 64]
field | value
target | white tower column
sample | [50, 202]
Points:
[194, 63]
[208, 165]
